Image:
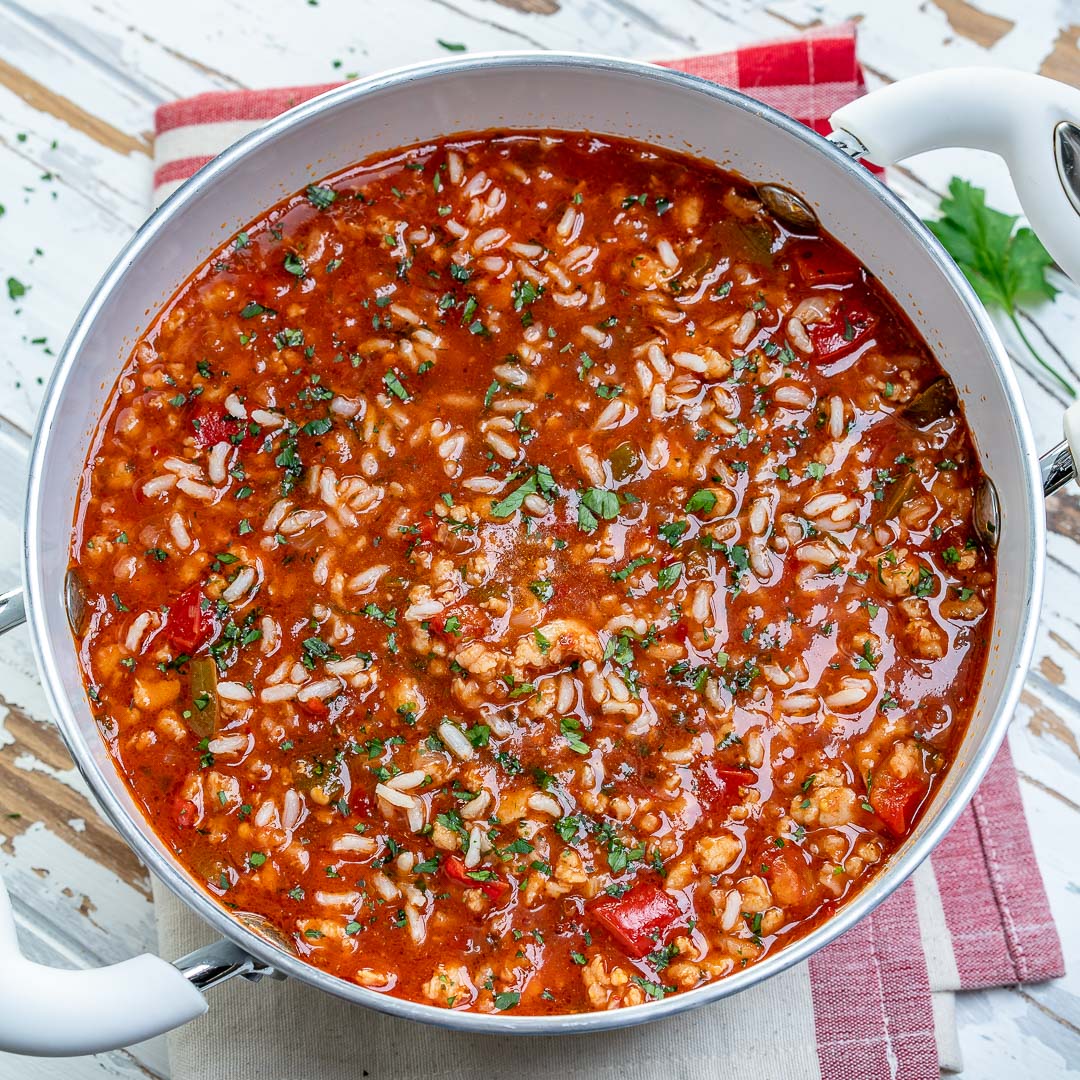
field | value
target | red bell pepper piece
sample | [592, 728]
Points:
[640, 919]
[824, 264]
[187, 626]
[493, 888]
[718, 786]
[852, 324]
[895, 801]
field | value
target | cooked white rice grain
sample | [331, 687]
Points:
[179, 532]
[179, 467]
[159, 485]
[384, 886]
[239, 585]
[196, 490]
[799, 338]
[455, 740]
[234, 691]
[406, 781]
[293, 810]
[394, 797]
[281, 692]
[265, 418]
[796, 396]
[228, 744]
[217, 466]
[545, 804]
[490, 238]
[338, 899]
[137, 631]
[667, 254]
[322, 689]
[422, 609]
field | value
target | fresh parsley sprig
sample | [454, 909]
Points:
[1005, 267]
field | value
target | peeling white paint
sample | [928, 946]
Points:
[29, 763]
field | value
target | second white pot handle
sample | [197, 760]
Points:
[1030, 121]
[53, 1012]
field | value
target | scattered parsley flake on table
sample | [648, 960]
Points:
[1003, 266]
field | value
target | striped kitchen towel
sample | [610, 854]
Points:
[807, 77]
[877, 1003]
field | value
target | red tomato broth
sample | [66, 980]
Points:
[593, 560]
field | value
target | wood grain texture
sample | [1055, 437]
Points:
[43, 100]
[78, 86]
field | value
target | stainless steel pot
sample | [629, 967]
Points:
[1030, 121]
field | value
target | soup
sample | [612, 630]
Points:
[531, 576]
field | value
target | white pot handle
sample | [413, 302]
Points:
[52, 1012]
[55, 1013]
[1030, 121]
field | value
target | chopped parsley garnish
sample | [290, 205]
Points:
[570, 726]
[630, 567]
[673, 531]
[394, 385]
[669, 575]
[320, 197]
[542, 590]
[702, 501]
[540, 482]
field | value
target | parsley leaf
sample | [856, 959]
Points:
[597, 504]
[1003, 266]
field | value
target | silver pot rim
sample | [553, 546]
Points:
[135, 833]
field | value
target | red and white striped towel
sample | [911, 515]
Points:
[877, 1003]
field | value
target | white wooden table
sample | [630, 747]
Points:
[78, 85]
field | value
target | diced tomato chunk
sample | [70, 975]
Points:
[895, 801]
[640, 919]
[493, 888]
[788, 874]
[852, 325]
[718, 786]
[824, 264]
[187, 626]
[185, 813]
[216, 425]
[460, 622]
[315, 707]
